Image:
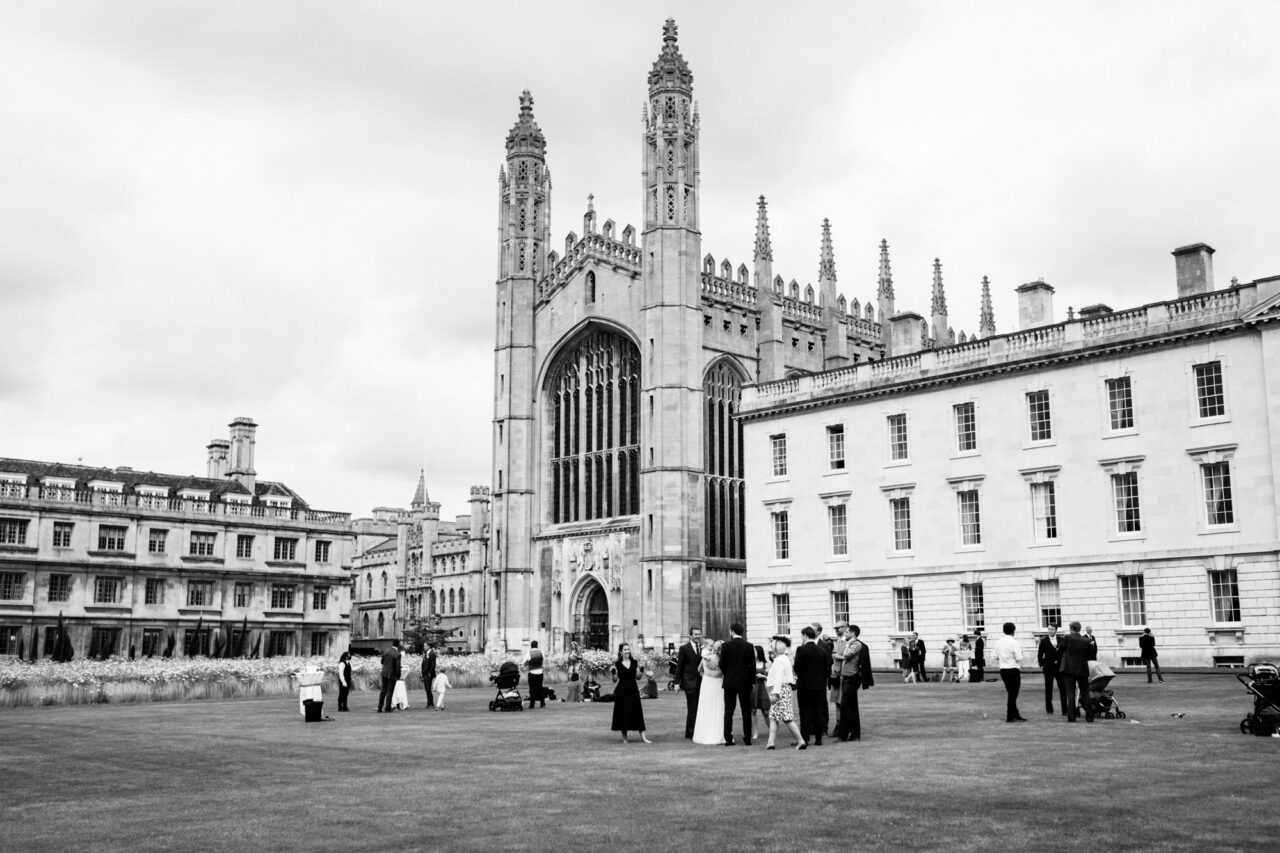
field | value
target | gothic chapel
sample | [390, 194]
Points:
[618, 491]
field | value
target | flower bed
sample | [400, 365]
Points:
[84, 681]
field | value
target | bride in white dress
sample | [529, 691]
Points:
[708, 727]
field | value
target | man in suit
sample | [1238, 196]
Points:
[917, 658]
[827, 647]
[811, 667]
[738, 667]
[1093, 642]
[1047, 658]
[1149, 655]
[1073, 667]
[390, 675]
[688, 677]
[429, 673]
[979, 654]
[855, 672]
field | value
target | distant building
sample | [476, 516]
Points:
[411, 567]
[1119, 468]
[134, 560]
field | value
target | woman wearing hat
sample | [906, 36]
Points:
[781, 683]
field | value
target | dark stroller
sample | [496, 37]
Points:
[1099, 700]
[507, 679]
[672, 684]
[1263, 684]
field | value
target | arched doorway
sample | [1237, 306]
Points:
[596, 611]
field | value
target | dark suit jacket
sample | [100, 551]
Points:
[738, 664]
[979, 652]
[1047, 655]
[1148, 645]
[1093, 646]
[391, 663]
[1073, 656]
[811, 667]
[918, 652]
[429, 664]
[687, 674]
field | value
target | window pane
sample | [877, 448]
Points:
[1133, 606]
[1125, 490]
[782, 613]
[1050, 608]
[779, 444]
[974, 612]
[838, 516]
[1210, 399]
[1217, 493]
[835, 446]
[781, 536]
[966, 427]
[1226, 595]
[1038, 413]
[898, 437]
[1044, 511]
[1120, 401]
[970, 517]
[904, 609]
[901, 510]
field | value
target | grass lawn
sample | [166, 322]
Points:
[938, 769]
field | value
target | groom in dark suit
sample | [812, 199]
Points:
[688, 677]
[738, 666]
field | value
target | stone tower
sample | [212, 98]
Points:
[671, 348]
[524, 205]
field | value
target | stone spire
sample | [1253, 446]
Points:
[884, 289]
[986, 317]
[827, 261]
[764, 249]
[526, 137]
[420, 494]
[941, 324]
[939, 295]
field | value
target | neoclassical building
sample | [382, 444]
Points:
[134, 561]
[620, 361]
[1120, 468]
[410, 566]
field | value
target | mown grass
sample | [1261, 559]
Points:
[938, 769]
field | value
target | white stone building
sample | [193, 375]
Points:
[1120, 469]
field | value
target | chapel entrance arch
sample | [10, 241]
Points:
[594, 618]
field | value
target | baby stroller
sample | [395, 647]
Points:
[507, 679]
[672, 684]
[1099, 700]
[1263, 684]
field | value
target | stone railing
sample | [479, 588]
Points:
[727, 290]
[591, 247]
[805, 312]
[1173, 318]
[158, 503]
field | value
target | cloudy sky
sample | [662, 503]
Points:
[287, 210]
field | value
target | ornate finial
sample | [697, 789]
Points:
[827, 260]
[526, 137]
[1071, 313]
[764, 250]
[885, 286]
[939, 296]
[1235, 282]
[591, 198]
[670, 71]
[986, 317]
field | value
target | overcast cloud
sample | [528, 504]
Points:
[287, 210]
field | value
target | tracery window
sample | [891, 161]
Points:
[725, 531]
[595, 429]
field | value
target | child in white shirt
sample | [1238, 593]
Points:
[438, 687]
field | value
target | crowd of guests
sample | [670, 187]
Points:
[793, 691]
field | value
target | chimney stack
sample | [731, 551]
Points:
[1195, 269]
[219, 449]
[240, 469]
[1035, 304]
[905, 333]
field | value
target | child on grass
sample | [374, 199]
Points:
[438, 686]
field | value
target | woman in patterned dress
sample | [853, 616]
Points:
[781, 683]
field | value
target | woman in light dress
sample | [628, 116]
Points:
[708, 726]
[782, 682]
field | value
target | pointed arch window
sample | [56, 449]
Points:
[722, 461]
[451, 602]
[594, 393]
[382, 625]
[591, 287]
[462, 601]
[364, 625]
[384, 584]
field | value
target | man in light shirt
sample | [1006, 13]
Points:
[1009, 659]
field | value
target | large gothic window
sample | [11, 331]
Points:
[722, 391]
[594, 393]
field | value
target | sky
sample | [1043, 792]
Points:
[288, 210]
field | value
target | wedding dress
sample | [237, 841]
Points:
[708, 727]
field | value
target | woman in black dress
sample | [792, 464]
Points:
[344, 680]
[627, 714]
